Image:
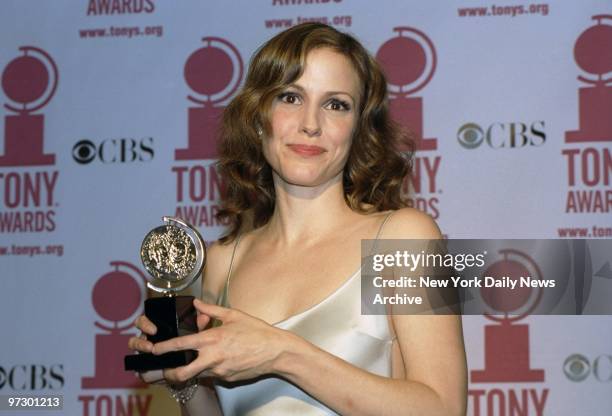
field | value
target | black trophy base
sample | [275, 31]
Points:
[173, 316]
[148, 362]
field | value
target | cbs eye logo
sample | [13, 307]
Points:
[502, 135]
[470, 135]
[577, 368]
[84, 152]
[113, 151]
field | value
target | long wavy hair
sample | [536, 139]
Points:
[375, 168]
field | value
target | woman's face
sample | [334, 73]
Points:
[313, 121]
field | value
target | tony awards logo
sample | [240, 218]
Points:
[174, 255]
[214, 72]
[593, 55]
[409, 61]
[30, 82]
[589, 157]
[507, 343]
[116, 298]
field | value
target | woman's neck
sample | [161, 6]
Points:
[303, 214]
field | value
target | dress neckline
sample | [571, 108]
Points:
[321, 302]
[346, 282]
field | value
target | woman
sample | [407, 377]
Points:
[307, 149]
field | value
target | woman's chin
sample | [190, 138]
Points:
[303, 182]
[306, 181]
[307, 177]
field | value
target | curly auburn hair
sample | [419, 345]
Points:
[375, 168]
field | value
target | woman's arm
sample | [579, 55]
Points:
[431, 347]
[434, 366]
[204, 400]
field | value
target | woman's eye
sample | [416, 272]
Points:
[289, 98]
[338, 105]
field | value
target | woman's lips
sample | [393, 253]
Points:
[306, 150]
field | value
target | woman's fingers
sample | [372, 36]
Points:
[140, 344]
[213, 311]
[152, 377]
[203, 366]
[206, 313]
[179, 375]
[203, 321]
[186, 342]
[145, 325]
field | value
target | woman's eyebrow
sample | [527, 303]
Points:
[341, 92]
[297, 87]
[327, 93]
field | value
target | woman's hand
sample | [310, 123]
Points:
[141, 344]
[243, 347]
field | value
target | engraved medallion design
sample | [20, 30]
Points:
[168, 253]
[174, 255]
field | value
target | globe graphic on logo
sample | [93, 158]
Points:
[28, 78]
[505, 299]
[404, 60]
[213, 71]
[409, 60]
[25, 79]
[208, 70]
[518, 300]
[592, 50]
[116, 296]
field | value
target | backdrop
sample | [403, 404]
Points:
[110, 110]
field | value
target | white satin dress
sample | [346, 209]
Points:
[335, 325]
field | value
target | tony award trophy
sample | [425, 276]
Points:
[173, 255]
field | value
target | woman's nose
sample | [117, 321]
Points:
[311, 125]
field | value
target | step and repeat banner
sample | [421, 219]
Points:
[108, 120]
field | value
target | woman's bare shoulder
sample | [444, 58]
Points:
[411, 223]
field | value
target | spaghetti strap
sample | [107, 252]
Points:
[224, 296]
[393, 335]
[382, 224]
[378, 234]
